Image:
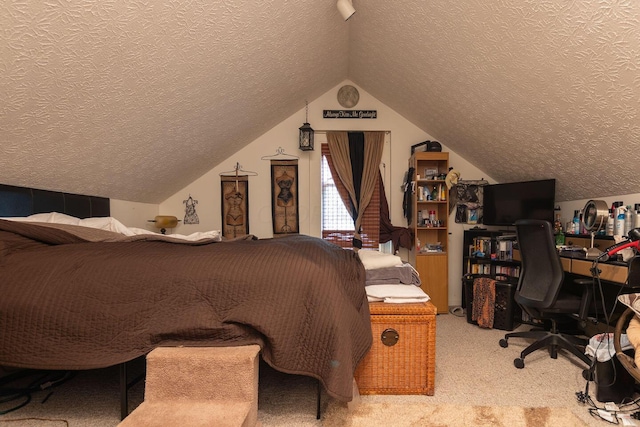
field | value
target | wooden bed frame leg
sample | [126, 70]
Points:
[124, 389]
[318, 400]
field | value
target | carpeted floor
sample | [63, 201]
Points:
[474, 376]
[426, 415]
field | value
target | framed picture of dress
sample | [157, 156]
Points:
[235, 206]
[284, 196]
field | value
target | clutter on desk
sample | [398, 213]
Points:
[571, 248]
[617, 220]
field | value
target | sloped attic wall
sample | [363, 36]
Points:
[525, 89]
[131, 99]
[285, 135]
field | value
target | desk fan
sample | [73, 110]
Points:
[595, 215]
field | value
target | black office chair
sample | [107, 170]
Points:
[540, 295]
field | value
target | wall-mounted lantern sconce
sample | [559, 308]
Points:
[306, 132]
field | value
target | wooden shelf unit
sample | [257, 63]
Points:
[429, 221]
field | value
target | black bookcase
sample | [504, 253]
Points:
[489, 253]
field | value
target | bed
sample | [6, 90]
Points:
[77, 298]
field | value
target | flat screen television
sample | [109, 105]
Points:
[504, 204]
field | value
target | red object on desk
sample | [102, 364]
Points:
[618, 247]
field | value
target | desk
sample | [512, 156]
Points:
[613, 275]
[610, 271]
[576, 263]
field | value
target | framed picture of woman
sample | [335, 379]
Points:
[235, 206]
[284, 196]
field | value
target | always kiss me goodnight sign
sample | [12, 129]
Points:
[349, 114]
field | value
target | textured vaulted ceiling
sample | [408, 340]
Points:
[135, 99]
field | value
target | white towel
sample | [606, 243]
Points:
[374, 259]
[396, 293]
[405, 300]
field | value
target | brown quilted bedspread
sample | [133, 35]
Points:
[72, 298]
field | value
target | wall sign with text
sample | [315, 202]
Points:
[349, 114]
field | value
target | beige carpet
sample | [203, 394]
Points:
[472, 370]
[403, 415]
[426, 415]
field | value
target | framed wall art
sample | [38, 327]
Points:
[235, 206]
[284, 196]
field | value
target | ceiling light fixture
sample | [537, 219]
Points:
[345, 7]
[306, 132]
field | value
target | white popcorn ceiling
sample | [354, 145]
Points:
[136, 99]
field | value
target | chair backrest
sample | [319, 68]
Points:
[633, 277]
[541, 272]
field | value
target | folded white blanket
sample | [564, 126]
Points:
[405, 300]
[374, 259]
[396, 293]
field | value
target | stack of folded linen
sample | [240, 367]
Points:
[389, 279]
[374, 259]
[404, 274]
[396, 293]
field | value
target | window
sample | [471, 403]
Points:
[334, 214]
[337, 224]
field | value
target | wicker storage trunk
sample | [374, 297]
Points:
[403, 355]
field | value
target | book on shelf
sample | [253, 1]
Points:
[505, 270]
[481, 269]
[505, 248]
[482, 247]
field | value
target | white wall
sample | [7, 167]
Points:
[134, 214]
[285, 135]
[206, 189]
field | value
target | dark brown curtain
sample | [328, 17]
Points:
[401, 236]
[356, 158]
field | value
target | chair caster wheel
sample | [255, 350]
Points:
[504, 343]
[518, 363]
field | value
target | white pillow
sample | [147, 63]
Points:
[111, 224]
[106, 223]
[51, 217]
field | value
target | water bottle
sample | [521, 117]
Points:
[616, 210]
[576, 222]
[610, 223]
[619, 231]
[628, 220]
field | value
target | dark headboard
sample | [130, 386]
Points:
[23, 201]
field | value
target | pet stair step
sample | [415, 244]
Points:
[217, 384]
[202, 373]
[192, 414]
